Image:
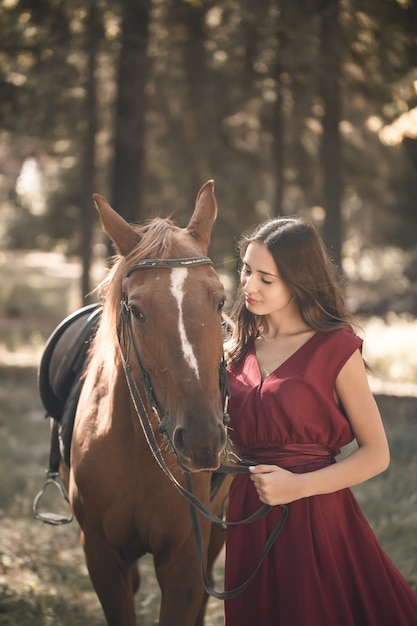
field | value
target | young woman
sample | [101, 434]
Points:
[299, 393]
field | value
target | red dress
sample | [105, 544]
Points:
[326, 568]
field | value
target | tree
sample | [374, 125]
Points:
[88, 154]
[129, 142]
[330, 62]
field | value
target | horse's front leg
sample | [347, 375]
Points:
[183, 597]
[114, 581]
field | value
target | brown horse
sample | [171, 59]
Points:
[162, 303]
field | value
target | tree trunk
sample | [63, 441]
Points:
[331, 159]
[195, 105]
[278, 149]
[88, 169]
[130, 110]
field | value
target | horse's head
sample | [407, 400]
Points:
[172, 300]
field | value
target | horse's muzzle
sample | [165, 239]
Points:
[197, 452]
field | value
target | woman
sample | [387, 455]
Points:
[299, 393]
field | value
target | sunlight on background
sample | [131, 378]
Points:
[390, 347]
[30, 188]
[37, 291]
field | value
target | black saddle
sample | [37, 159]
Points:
[62, 366]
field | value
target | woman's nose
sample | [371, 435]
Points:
[249, 284]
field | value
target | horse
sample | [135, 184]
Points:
[158, 343]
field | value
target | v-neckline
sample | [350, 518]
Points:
[262, 378]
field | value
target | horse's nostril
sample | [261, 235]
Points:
[178, 440]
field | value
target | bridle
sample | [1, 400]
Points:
[125, 336]
[126, 324]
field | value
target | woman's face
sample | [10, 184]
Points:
[265, 291]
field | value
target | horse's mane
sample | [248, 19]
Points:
[159, 238]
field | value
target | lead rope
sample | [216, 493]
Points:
[232, 593]
[188, 494]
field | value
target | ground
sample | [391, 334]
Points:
[43, 579]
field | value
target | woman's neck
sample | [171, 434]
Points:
[272, 329]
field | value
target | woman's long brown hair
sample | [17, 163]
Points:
[306, 269]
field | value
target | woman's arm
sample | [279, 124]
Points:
[278, 486]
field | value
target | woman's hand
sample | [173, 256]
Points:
[274, 484]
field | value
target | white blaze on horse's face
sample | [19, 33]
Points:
[178, 277]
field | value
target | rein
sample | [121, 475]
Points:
[240, 467]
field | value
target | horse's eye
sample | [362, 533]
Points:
[137, 313]
[221, 305]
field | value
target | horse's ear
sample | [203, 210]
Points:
[124, 237]
[204, 216]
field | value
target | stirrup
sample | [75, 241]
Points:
[49, 517]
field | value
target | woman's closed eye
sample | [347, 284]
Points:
[245, 271]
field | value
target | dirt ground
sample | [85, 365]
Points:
[43, 579]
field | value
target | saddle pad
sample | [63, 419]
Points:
[64, 357]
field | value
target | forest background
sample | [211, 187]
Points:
[293, 107]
